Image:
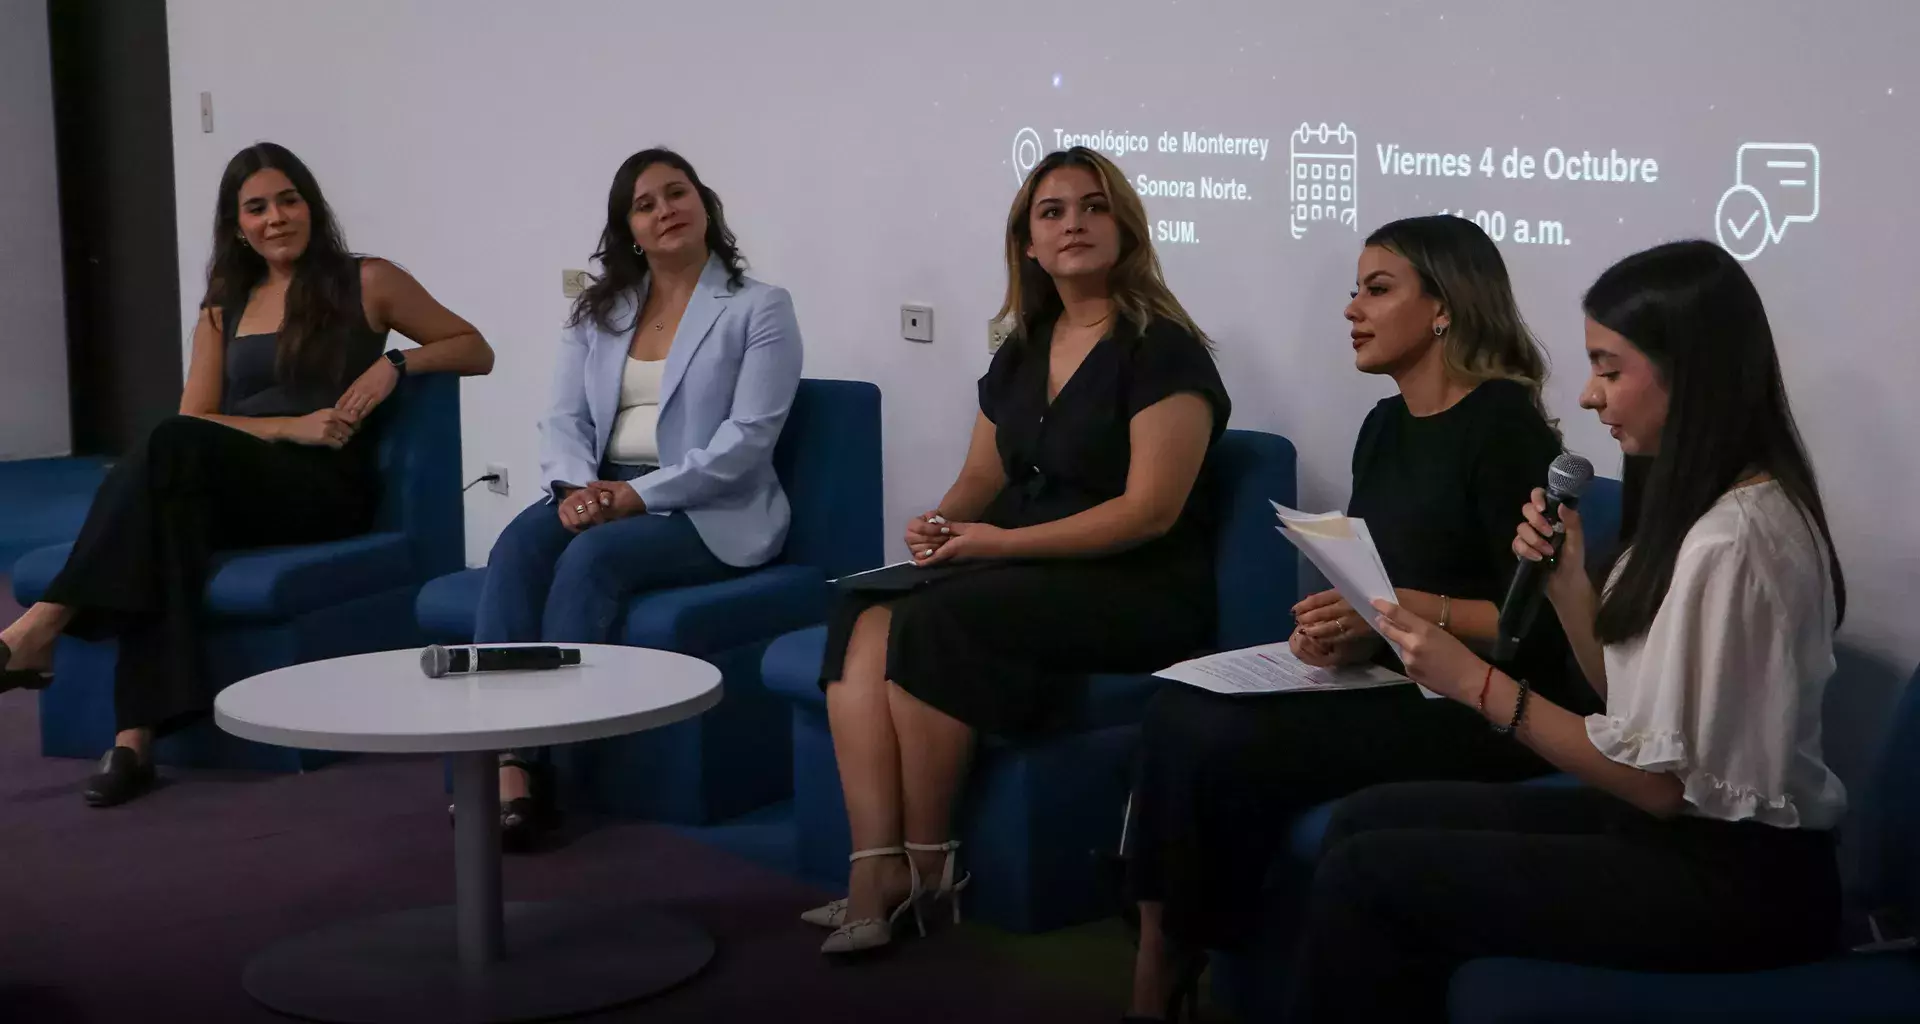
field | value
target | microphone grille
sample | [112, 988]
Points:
[1569, 475]
[434, 661]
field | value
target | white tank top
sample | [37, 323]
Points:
[634, 442]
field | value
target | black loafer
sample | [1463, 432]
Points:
[121, 778]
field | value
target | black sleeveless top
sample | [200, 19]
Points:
[1441, 495]
[252, 384]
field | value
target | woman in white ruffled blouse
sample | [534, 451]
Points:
[1700, 836]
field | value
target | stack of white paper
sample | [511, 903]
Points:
[1273, 669]
[1343, 551]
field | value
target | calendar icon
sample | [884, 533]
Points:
[1324, 171]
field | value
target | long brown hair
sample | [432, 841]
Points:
[622, 266]
[319, 299]
[1691, 309]
[1135, 285]
[1486, 338]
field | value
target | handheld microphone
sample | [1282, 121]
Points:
[1566, 478]
[437, 661]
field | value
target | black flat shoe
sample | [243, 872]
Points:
[121, 778]
[20, 678]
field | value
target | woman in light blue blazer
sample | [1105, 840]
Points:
[675, 375]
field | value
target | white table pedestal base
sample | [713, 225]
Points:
[479, 961]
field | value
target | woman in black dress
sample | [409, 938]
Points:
[1438, 470]
[274, 444]
[1079, 523]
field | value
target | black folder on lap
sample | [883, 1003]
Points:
[899, 577]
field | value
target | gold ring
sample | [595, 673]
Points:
[580, 510]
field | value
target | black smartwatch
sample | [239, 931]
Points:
[398, 359]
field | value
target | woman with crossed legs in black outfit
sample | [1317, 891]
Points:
[274, 444]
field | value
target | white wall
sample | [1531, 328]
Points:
[862, 147]
[33, 319]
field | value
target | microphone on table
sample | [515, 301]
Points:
[437, 661]
[1566, 478]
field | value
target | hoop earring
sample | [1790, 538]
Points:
[637, 251]
[1439, 330]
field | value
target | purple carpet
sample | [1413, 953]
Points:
[148, 912]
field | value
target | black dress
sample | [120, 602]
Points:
[139, 567]
[1222, 777]
[1005, 647]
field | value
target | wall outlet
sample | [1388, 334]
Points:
[916, 322]
[573, 282]
[499, 484]
[998, 331]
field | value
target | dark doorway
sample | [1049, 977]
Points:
[114, 142]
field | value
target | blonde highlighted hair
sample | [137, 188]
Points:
[1486, 337]
[1138, 290]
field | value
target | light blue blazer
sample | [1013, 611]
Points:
[731, 374]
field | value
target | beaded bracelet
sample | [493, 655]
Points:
[1519, 711]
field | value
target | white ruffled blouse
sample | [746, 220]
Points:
[1724, 689]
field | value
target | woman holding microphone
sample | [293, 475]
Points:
[1702, 837]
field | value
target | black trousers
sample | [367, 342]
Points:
[138, 570]
[1418, 878]
[1222, 778]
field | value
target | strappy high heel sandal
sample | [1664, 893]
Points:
[871, 934]
[525, 819]
[834, 914]
[948, 890]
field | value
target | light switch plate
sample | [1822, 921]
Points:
[573, 282]
[916, 322]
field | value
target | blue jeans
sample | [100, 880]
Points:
[545, 583]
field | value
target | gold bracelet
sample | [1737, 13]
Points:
[1446, 613]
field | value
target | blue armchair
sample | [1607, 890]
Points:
[272, 607]
[734, 758]
[44, 501]
[1036, 811]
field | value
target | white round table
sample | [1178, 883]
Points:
[480, 959]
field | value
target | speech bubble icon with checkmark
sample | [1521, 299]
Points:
[1775, 184]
